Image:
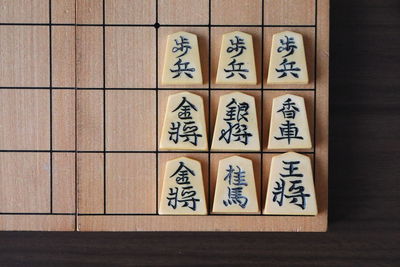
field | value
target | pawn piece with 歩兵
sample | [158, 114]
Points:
[236, 127]
[182, 60]
[290, 186]
[287, 63]
[236, 60]
[184, 123]
[183, 188]
[235, 190]
[289, 125]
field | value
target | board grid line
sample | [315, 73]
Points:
[156, 26]
[161, 25]
[262, 107]
[315, 84]
[150, 151]
[51, 108]
[104, 112]
[209, 110]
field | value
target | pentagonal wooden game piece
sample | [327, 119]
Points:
[236, 60]
[182, 60]
[184, 123]
[236, 125]
[235, 191]
[291, 186]
[287, 63]
[289, 125]
[183, 189]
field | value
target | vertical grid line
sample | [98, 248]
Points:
[76, 119]
[157, 154]
[315, 81]
[262, 106]
[104, 108]
[209, 107]
[51, 109]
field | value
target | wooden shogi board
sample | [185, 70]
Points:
[81, 108]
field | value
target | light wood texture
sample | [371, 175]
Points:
[63, 119]
[297, 12]
[236, 12]
[173, 11]
[63, 11]
[24, 182]
[63, 182]
[131, 120]
[63, 56]
[37, 222]
[130, 183]
[89, 57]
[89, 11]
[130, 12]
[120, 190]
[90, 175]
[24, 11]
[130, 57]
[21, 130]
[24, 53]
[89, 120]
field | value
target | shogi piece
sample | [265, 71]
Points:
[182, 60]
[290, 186]
[184, 123]
[183, 189]
[236, 60]
[236, 127]
[287, 64]
[289, 125]
[235, 191]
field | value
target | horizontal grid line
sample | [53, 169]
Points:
[206, 215]
[153, 25]
[35, 24]
[37, 150]
[150, 89]
[140, 214]
[36, 87]
[153, 151]
[35, 213]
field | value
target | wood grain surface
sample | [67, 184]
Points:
[82, 90]
[364, 176]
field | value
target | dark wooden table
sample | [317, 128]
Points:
[364, 175]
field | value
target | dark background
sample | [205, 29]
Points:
[363, 182]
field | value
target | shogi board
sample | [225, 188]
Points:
[81, 108]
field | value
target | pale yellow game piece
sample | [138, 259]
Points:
[289, 125]
[236, 60]
[235, 191]
[287, 64]
[184, 123]
[290, 186]
[182, 60]
[183, 188]
[236, 126]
